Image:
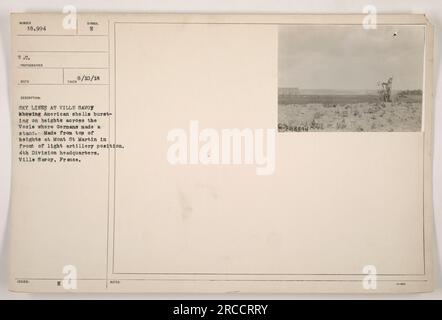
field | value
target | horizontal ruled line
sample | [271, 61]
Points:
[62, 84]
[100, 68]
[62, 35]
[50, 51]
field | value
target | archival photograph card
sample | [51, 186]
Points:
[221, 153]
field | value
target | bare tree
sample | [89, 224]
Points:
[385, 90]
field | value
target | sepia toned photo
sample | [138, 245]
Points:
[347, 78]
[145, 155]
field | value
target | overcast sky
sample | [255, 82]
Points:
[349, 57]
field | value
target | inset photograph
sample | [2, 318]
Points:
[347, 78]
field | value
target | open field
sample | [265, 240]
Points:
[327, 98]
[348, 113]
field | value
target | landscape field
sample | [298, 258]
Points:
[349, 112]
